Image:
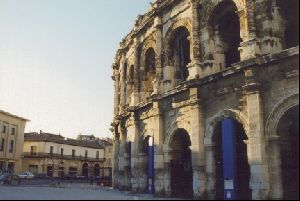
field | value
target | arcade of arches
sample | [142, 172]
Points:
[207, 101]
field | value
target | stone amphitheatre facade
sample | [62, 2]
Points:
[185, 68]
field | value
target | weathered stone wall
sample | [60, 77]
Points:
[251, 91]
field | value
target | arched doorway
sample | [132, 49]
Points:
[232, 169]
[97, 170]
[85, 170]
[225, 29]
[180, 53]
[181, 165]
[288, 131]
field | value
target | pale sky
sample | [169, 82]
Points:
[55, 61]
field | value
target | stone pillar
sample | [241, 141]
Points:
[256, 144]
[210, 167]
[116, 78]
[135, 95]
[123, 85]
[122, 159]
[168, 71]
[158, 50]
[249, 48]
[115, 165]
[197, 148]
[270, 22]
[276, 192]
[167, 170]
[158, 150]
[195, 70]
[135, 165]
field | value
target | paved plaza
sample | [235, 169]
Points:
[67, 192]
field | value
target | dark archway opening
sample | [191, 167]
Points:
[226, 25]
[181, 165]
[150, 71]
[180, 45]
[85, 170]
[150, 65]
[290, 12]
[288, 130]
[97, 170]
[242, 173]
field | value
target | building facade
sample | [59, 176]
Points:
[11, 142]
[212, 86]
[56, 156]
[108, 155]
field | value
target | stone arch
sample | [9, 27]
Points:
[182, 23]
[275, 144]
[149, 43]
[175, 126]
[147, 77]
[210, 6]
[227, 113]
[281, 108]
[214, 174]
[185, 22]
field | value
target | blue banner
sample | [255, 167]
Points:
[229, 158]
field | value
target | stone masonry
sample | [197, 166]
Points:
[187, 65]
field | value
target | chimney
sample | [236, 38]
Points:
[41, 131]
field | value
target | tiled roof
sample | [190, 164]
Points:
[47, 137]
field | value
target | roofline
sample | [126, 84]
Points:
[15, 116]
[47, 140]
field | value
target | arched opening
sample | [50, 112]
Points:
[288, 130]
[85, 170]
[97, 170]
[232, 170]
[150, 71]
[130, 84]
[131, 73]
[225, 24]
[290, 12]
[150, 60]
[180, 50]
[181, 165]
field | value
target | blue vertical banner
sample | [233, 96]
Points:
[229, 158]
[151, 166]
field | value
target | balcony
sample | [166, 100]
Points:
[39, 155]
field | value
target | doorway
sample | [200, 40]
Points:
[181, 165]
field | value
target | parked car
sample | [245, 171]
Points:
[26, 175]
[5, 179]
[10, 179]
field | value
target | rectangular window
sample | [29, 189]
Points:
[4, 129]
[33, 150]
[62, 152]
[97, 155]
[51, 150]
[86, 154]
[11, 146]
[2, 144]
[13, 131]
[73, 153]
